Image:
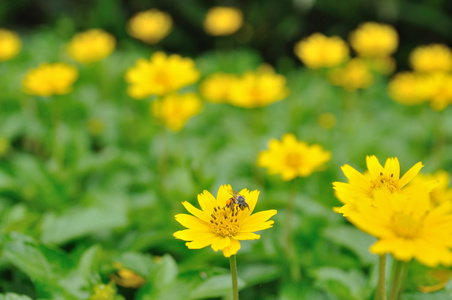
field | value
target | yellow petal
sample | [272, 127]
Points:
[374, 166]
[223, 195]
[196, 212]
[189, 234]
[191, 222]
[410, 174]
[392, 167]
[206, 201]
[203, 240]
[258, 221]
[356, 178]
[246, 236]
[232, 249]
[220, 243]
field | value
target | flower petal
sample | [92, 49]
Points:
[374, 166]
[410, 174]
[220, 243]
[232, 249]
[190, 234]
[196, 212]
[192, 222]
[258, 221]
[206, 201]
[202, 241]
[246, 236]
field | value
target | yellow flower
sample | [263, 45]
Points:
[408, 88]
[441, 193]
[292, 158]
[354, 75]
[384, 65]
[160, 75]
[150, 26]
[103, 292]
[175, 110]
[215, 88]
[257, 89]
[438, 89]
[10, 44]
[407, 226]
[374, 40]
[431, 58]
[91, 46]
[318, 51]
[127, 278]
[221, 226]
[50, 79]
[223, 20]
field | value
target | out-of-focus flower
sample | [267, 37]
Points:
[215, 88]
[91, 46]
[442, 192]
[354, 75]
[222, 20]
[374, 40]
[438, 89]
[431, 58]
[103, 292]
[292, 158]
[150, 26]
[318, 51]
[160, 75]
[408, 88]
[384, 65]
[126, 278]
[327, 120]
[50, 79]
[407, 226]
[10, 44]
[222, 225]
[175, 110]
[257, 89]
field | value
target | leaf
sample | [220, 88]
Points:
[12, 296]
[256, 274]
[165, 271]
[216, 286]
[138, 262]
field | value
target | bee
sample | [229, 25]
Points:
[237, 199]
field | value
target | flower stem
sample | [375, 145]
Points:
[287, 234]
[396, 280]
[402, 281]
[381, 289]
[235, 289]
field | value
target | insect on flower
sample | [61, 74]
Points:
[237, 199]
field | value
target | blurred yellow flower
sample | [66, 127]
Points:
[91, 46]
[215, 88]
[292, 158]
[442, 192]
[10, 44]
[175, 110]
[431, 58]
[103, 292]
[222, 20]
[126, 278]
[160, 75]
[318, 51]
[374, 40]
[408, 88]
[407, 226]
[150, 26]
[384, 65]
[50, 79]
[257, 89]
[220, 225]
[354, 75]
[438, 89]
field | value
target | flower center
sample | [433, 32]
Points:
[405, 225]
[224, 221]
[293, 160]
[391, 183]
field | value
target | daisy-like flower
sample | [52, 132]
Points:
[160, 75]
[354, 75]
[91, 46]
[374, 40]
[10, 44]
[222, 20]
[215, 88]
[407, 226]
[50, 79]
[431, 58]
[220, 225]
[408, 88]
[150, 26]
[292, 158]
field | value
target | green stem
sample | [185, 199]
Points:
[235, 288]
[402, 280]
[396, 280]
[381, 289]
[287, 234]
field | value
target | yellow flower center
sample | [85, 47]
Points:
[391, 183]
[405, 225]
[224, 221]
[293, 160]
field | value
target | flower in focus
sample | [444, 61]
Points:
[374, 40]
[354, 75]
[223, 20]
[442, 192]
[257, 89]
[215, 88]
[127, 278]
[91, 46]
[175, 110]
[431, 58]
[407, 226]
[318, 51]
[221, 226]
[50, 79]
[150, 26]
[292, 158]
[103, 292]
[10, 44]
[160, 75]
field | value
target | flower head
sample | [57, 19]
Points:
[215, 88]
[126, 277]
[10, 44]
[50, 79]
[223, 20]
[160, 75]
[431, 58]
[103, 292]
[318, 51]
[150, 26]
[91, 46]
[407, 226]
[374, 40]
[354, 75]
[221, 224]
[408, 88]
[175, 110]
[292, 158]
[257, 89]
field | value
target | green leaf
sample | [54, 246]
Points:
[216, 286]
[12, 296]
[140, 263]
[255, 274]
[165, 271]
